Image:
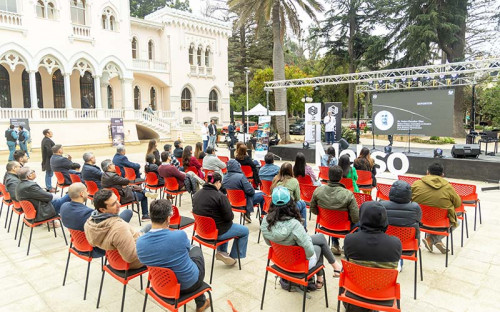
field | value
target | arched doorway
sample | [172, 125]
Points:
[152, 97]
[186, 100]
[58, 89]
[25, 79]
[110, 97]
[87, 91]
[5, 101]
[137, 98]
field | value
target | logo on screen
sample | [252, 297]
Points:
[384, 120]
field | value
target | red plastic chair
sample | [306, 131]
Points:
[238, 202]
[365, 181]
[74, 178]
[91, 189]
[304, 179]
[247, 171]
[266, 186]
[306, 193]
[206, 172]
[462, 215]
[178, 222]
[267, 205]
[435, 221]
[29, 220]
[152, 183]
[323, 173]
[409, 241]
[370, 288]
[5, 200]
[16, 209]
[205, 233]
[60, 182]
[192, 169]
[118, 171]
[172, 188]
[179, 159]
[262, 163]
[468, 194]
[347, 182]
[130, 175]
[334, 223]
[133, 203]
[291, 264]
[408, 179]
[224, 159]
[120, 270]
[361, 198]
[383, 191]
[165, 289]
[78, 246]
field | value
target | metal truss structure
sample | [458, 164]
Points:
[432, 76]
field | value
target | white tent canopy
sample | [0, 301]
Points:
[260, 110]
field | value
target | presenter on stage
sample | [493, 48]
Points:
[329, 122]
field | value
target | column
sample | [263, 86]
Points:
[33, 94]
[67, 90]
[127, 98]
[97, 92]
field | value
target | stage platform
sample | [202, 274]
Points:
[484, 168]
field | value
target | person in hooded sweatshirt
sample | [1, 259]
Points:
[433, 190]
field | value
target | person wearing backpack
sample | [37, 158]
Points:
[11, 137]
[24, 136]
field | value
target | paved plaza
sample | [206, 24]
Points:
[34, 282]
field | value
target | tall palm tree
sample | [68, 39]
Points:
[281, 13]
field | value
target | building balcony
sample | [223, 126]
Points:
[11, 20]
[201, 71]
[81, 33]
[150, 65]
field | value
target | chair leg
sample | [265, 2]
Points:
[86, 281]
[142, 287]
[238, 252]
[1, 209]
[123, 297]
[64, 234]
[480, 218]
[446, 261]
[462, 234]
[20, 235]
[258, 239]
[7, 216]
[324, 285]
[264, 290]
[304, 300]
[17, 226]
[212, 269]
[475, 215]
[29, 242]
[66, 270]
[145, 299]
[100, 290]
[338, 305]
[420, 260]
[10, 221]
[211, 301]
[466, 226]
[451, 237]
[54, 228]
[415, 283]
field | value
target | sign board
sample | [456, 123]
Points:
[313, 122]
[336, 114]
[117, 131]
[263, 134]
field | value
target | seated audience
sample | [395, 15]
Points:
[335, 196]
[75, 169]
[366, 163]
[283, 225]
[151, 166]
[269, 170]
[236, 180]
[11, 179]
[210, 202]
[152, 149]
[174, 161]
[329, 158]
[198, 152]
[61, 163]
[242, 157]
[178, 149]
[167, 170]
[161, 247]
[212, 162]
[302, 169]
[348, 171]
[21, 157]
[434, 190]
[121, 161]
[106, 230]
[188, 160]
[90, 172]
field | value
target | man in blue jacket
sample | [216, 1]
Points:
[11, 137]
[122, 161]
[90, 172]
[269, 170]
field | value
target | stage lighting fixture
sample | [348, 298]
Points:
[403, 79]
[441, 76]
[305, 145]
[391, 80]
[454, 76]
[414, 78]
[438, 153]
[388, 149]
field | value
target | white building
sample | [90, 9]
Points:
[78, 63]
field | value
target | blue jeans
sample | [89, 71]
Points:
[126, 215]
[235, 230]
[212, 140]
[48, 179]
[329, 137]
[258, 198]
[144, 202]
[24, 146]
[57, 203]
[301, 206]
[12, 149]
[205, 144]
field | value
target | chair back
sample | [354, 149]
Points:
[60, 177]
[334, 220]
[129, 173]
[80, 241]
[262, 163]
[192, 169]
[289, 258]
[237, 198]
[118, 171]
[266, 186]
[175, 219]
[164, 282]
[5, 193]
[383, 191]
[434, 217]
[347, 182]
[116, 193]
[466, 192]
[304, 179]
[247, 171]
[151, 179]
[267, 203]
[306, 191]
[407, 236]
[116, 261]
[323, 173]
[205, 227]
[364, 177]
[91, 187]
[17, 205]
[29, 209]
[361, 198]
[224, 159]
[179, 159]
[171, 184]
[207, 172]
[408, 179]
[370, 283]
[74, 178]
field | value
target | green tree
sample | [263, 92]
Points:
[141, 8]
[488, 103]
[280, 14]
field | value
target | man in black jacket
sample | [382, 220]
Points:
[11, 138]
[90, 172]
[46, 148]
[178, 149]
[47, 205]
[11, 179]
[60, 163]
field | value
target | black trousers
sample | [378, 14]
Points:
[197, 256]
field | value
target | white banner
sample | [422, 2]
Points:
[313, 122]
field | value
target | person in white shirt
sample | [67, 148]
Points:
[204, 135]
[329, 122]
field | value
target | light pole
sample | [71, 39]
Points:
[247, 71]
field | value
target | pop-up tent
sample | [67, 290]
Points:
[260, 110]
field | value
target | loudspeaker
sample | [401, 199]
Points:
[465, 151]
[343, 144]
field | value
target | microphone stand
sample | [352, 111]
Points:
[409, 140]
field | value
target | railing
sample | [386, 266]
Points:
[193, 69]
[167, 114]
[53, 113]
[148, 118]
[8, 113]
[85, 114]
[81, 31]
[11, 18]
[201, 70]
[150, 65]
[113, 113]
[209, 71]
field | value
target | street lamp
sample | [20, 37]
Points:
[306, 99]
[247, 71]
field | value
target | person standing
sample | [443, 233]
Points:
[23, 137]
[11, 136]
[46, 148]
[204, 135]
[212, 131]
[231, 130]
[329, 122]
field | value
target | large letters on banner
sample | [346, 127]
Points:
[117, 132]
[313, 122]
[336, 109]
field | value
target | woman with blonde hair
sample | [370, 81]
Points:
[198, 151]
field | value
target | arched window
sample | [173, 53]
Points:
[198, 56]
[137, 98]
[40, 9]
[39, 92]
[134, 48]
[213, 101]
[186, 100]
[110, 97]
[51, 10]
[112, 23]
[45, 9]
[78, 12]
[87, 91]
[191, 54]
[152, 97]
[151, 48]
[26, 89]
[108, 19]
[4, 88]
[8, 5]
[58, 89]
[207, 57]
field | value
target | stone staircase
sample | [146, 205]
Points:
[163, 126]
